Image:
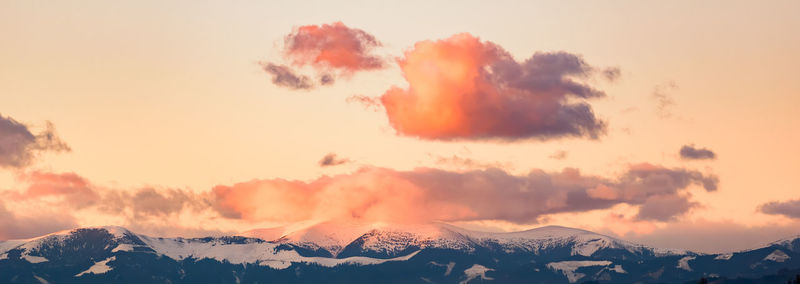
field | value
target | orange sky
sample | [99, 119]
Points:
[163, 105]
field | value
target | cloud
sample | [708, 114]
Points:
[52, 201]
[284, 76]
[70, 188]
[463, 88]
[559, 155]
[13, 226]
[56, 201]
[663, 99]
[689, 152]
[19, 147]
[331, 160]
[611, 73]
[664, 208]
[331, 50]
[149, 202]
[371, 103]
[426, 194]
[727, 236]
[332, 46]
[468, 163]
[789, 208]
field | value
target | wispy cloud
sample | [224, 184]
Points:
[663, 98]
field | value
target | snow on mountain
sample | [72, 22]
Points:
[724, 256]
[777, 256]
[683, 263]
[476, 271]
[30, 247]
[569, 268]
[791, 244]
[581, 242]
[267, 234]
[248, 251]
[449, 266]
[330, 236]
[99, 267]
[392, 238]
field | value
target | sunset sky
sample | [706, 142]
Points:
[671, 123]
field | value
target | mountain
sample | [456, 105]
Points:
[376, 253]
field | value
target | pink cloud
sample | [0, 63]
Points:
[465, 88]
[333, 46]
[425, 194]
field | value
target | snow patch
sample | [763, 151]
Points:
[40, 279]
[777, 256]
[34, 259]
[476, 271]
[262, 253]
[568, 268]
[99, 267]
[726, 256]
[123, 247]
[618, 269]
[683, 263]
[449, 266]
[8, 245]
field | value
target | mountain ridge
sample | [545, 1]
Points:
[438, 253]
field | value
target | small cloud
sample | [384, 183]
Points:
[689, 152]
[611, 73]
[664, 100]
[19, 146]
[789, 208]
[284, 76]
[333, 46]
[331, 50]
[326, 79]
[559, 155]
[332, 160]
[468, 163]
[370, 103]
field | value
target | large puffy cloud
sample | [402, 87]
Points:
[425, 194]
[333, 46]
[789, 208]
[690, 152]
[19, 146]
[464, 88]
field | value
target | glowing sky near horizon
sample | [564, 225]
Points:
[167, 122]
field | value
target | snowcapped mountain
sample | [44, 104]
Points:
[359, 253]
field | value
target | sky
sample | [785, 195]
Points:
[670, 123]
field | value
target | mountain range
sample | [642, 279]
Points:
[379, 253]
